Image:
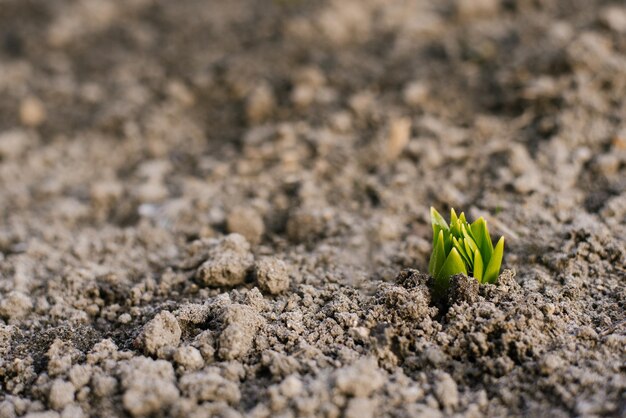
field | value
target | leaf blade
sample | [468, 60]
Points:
[482, 238]
[478, 270]
[460, 246]
[438, 255]
[453, 265]
[437, 220]
[493, 267]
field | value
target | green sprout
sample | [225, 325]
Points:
[463, 248]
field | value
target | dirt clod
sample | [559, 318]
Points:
[272, 275]
[228, 263]
[246, 222]
[221, 208]
[462, 289]
[161, 333]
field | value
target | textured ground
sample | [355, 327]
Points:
[211, 208]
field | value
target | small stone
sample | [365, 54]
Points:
[549, 363]
[291, 386]
[149, 386]
[360, 379]
[397, 137]
[80, 375]
[415, 93]
[310, 76]
[124, 318]
[614, 17]
[42, 414]
[72, 411]
[161, 332]
[189, 358]
[15, 305]
[102, 351]
[60, 357]
[151, 191]
[360, 408]
[32, 112]
[468, 9]
[242, 323]
[247, 222]
[61, 394]
[228, 263]
[103, 385]
[203, 386]
[306, 225]
[303, 95]
[7, 410]
[446, 391]
[260, 103]
[181, 93]
[341, 121]
[14, 143]
[272, 275]
[462, 289]
[106, 192]
[205, 342]
[607, 164]
[587, 333]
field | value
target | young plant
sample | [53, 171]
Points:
[465, 248]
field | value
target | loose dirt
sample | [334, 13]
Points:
[214, 208]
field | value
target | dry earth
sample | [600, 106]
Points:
[212, 208]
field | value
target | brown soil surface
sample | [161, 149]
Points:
[220, 208]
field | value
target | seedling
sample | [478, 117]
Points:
[464, 248]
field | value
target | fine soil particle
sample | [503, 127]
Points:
[221, 208]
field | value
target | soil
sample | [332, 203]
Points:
[222, 208]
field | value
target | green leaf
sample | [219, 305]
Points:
[493, 268]
[453, 217]
[454, 265]
[460, 246]
[437, 220]
[438, 255]
[479, 267]
[455, 228]
[482, 238]
[469, 239]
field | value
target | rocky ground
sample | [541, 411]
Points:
[215, 208]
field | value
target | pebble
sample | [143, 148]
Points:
[549, 363]
[272, 275]
[13, 143]
[61, 394]
[467, 9]
[415, 93]
[446, 391]
[189, 358]
[614, 17]
[247, 222]
[80, 375]
[360, 379]
[242, 323]
[260, 103]
[228, 262]
[149, 386]
[72, 411]
[360, 408]
[208, 386]
[15, 305]
[32, 112]
[124, 318]
[161, 332]
[397, 138]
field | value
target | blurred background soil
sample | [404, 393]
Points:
[206, 207]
